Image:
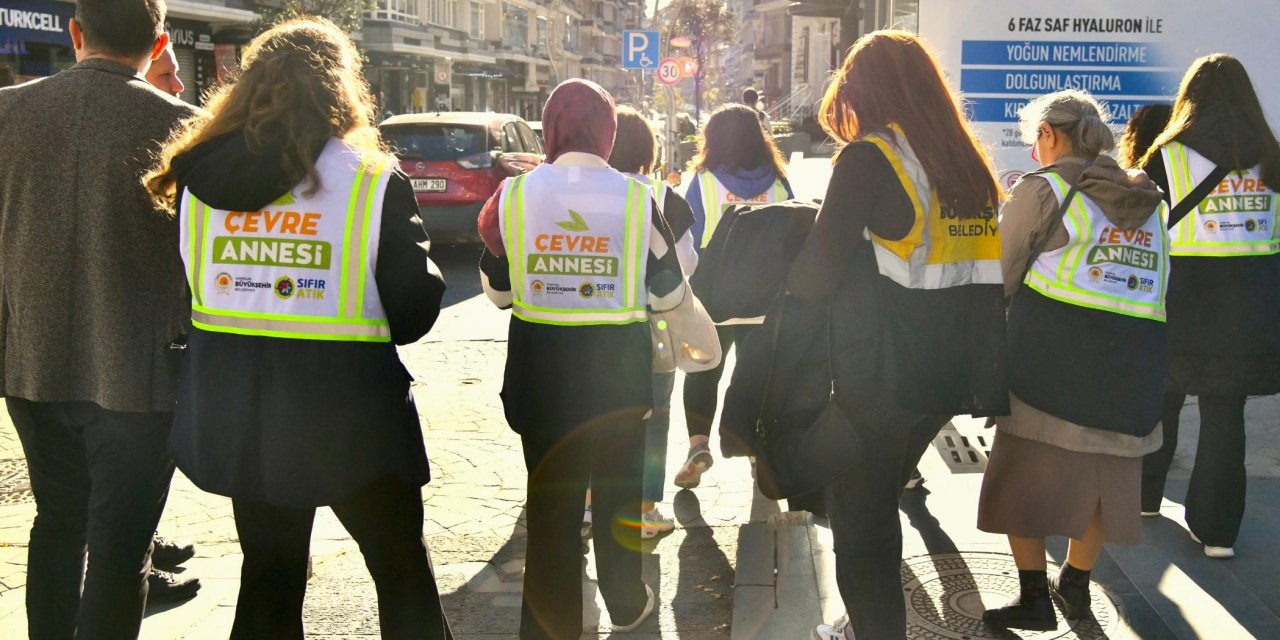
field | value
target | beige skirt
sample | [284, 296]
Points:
[1036, 490]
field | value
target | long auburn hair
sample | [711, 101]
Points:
[1220, 80]
[301, 85]
[734, 138]
[1140, 133]
[891, 77]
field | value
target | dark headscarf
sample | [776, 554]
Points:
[579, 116]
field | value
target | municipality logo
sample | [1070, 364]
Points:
[575, 224]
[284, 287]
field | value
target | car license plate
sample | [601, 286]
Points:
[428, 184]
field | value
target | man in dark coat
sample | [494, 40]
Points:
[91, 301]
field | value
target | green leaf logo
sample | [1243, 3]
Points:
[577, 224]
[287, 198]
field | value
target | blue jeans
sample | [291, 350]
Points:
[655, 437]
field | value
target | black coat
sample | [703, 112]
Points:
[302, 423]
[1223, 312]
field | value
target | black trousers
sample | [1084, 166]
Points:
[100, 479]
[384, 519]
[702, 389]
[608, 453]
[862, 505]
[1216, 494]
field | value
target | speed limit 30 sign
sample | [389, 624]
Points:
[669, 71]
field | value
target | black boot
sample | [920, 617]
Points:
[1032, 610]
[1072, 588]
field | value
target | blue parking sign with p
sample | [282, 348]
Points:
[640, 49]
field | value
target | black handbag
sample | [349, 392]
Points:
[799, 451]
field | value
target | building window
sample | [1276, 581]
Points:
[477, 21]
[516, 22]
[397, 10]
[442, 12]
[570, 35]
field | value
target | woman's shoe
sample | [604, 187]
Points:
[690, 474]
[1032, 610]
[839, 630]
[644, 615]
[653, 523]
[1071, 587]
[1217, 553]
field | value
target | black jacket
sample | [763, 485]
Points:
[1223, 312]
[304, 422]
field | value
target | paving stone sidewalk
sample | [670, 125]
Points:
[474, 509]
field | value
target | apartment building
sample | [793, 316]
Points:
[499, 55]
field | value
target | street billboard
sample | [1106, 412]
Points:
[1002, 53]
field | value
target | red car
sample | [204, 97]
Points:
[456, 161]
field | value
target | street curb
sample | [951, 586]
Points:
[775, 592]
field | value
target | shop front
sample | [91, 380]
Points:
[34, 39]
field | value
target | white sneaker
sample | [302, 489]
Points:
[1218, 553]
[839, 630]
[644, 615]
[653, 524]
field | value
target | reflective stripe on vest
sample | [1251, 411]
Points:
[1236, 219]
[940, 251]
[301, 268]
[716, 199]
[590, 246]
[1102, 267]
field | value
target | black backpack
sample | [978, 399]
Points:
[744, 267]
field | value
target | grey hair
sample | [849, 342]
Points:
[1076, 114]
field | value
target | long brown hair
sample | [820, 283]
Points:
[734, 138]
[1140, 134]
[891, 77]
[1220, 80]
[634, 146]
[301, 85]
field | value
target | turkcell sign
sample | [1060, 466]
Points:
[35, 21]
[640, 49]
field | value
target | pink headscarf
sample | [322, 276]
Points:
[579, 116]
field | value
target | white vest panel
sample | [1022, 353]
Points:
[577, 241]
[716, 199]
[1238, 218]
[1102, 267]
[302, 267]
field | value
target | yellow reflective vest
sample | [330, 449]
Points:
[577, 242]
[300, 268]
[1103, 267]
[941, 250]
[1238, 218]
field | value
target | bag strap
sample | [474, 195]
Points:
[1197, 195]
[1062, 212]
[774, 334]
[773, 356]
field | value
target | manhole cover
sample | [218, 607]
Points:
[947, 593]
[15, 486]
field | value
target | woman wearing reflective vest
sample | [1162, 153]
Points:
[1223, 302]
[737, 163]
[906, 252]
[1086, 356]
[307, 265]
[634, 154]
[582, 256]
